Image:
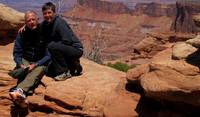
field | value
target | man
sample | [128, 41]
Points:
[30, 56]
[65, 48]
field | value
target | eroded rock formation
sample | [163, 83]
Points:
[10, 21]
[172, 86]
[183, 21]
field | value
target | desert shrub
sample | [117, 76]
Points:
[121, 66]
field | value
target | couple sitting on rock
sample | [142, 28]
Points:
[49, 48]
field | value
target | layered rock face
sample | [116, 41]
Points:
[187, 16]
[155, 9]
[183, 21]
[104, 6]
[10, 21]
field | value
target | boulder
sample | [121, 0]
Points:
[134, 74]
[195, 41]
[10, 17]
[10, 21]
[148, 47]
[164, 83]
[182, 50]
[172, 80]
[164, 58]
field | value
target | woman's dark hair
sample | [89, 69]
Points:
[49, 5]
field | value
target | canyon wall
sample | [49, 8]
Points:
[104, 6]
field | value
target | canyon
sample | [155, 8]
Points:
[117, 27]
[164, 83]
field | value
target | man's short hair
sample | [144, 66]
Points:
[49, 5]
[30, 12]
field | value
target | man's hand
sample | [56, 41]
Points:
[32, 66]
[22, 29]
[23, 66]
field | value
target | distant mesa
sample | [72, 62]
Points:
[152, 9]
[104, 6]
[155, 9]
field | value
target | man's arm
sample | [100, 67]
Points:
[66, 32]
[17, 50]
[44, 59]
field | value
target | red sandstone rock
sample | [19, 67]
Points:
[98, 92]
[10, 21]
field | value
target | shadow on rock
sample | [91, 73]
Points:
[16, 111]
[148, 107]
[194, 58]
[134, 86]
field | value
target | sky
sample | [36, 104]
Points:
[24, 5]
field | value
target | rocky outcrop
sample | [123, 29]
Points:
[189, 48]
[10, 21]
[182, 50]
[148, 47]
[192, 5]
[194, 41]
[172, 86]
[196, 19]
[183, 21]
[156, 42]
[98, 92]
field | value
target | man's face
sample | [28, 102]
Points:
[48, 15]
[31, 21]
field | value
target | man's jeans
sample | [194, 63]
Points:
[63, 58]
[28, 80]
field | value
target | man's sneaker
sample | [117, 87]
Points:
[19, 98]
[77, 68]
[63, 76]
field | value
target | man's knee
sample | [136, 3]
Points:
[55, 47]
[40, 69]
[38, 72]
[52, 46]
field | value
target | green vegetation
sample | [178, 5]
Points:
[121, 66]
